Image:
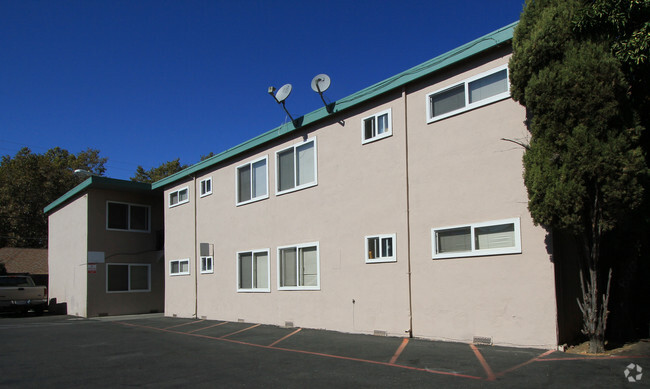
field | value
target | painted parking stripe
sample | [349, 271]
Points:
[499, 374]
[307, 352]
[236, 332]
[184, 324]
[285, 337]
[399, 350]
[205, 328]
[488, 370]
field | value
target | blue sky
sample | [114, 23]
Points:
[147, 82]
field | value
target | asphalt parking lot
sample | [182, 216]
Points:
[156, 351]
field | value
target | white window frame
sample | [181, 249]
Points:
[266, 171]
[209, 259]
[180, 273]
[178, 194]
[473, 252]
[279, 192]
[469, 106]
[128, 222]
[297, 247]
[381, 259]
[375, 117]
[268, 272]
[204, 183]
[129, 278]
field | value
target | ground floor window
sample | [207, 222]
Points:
[488, 238]
[253, 271]
[207, 265]
[126, 277]
[299, 267]
[179, 267]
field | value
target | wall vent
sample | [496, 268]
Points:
[174, 315]
[379, 333]
[204, 317]
[240, 320]
[484, 340]
[102, 314]
[288, 324]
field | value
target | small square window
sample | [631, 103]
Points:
[207, 265]
[380, 248]
[376, 127]
[179, 267]
[205, 187]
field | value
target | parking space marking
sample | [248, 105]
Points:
[590, 358]
[399, 350]
[502, 373]
[236, 332]
[306, 352]
[285, 337]
[184, 324]
[486, 367]
[205, 328]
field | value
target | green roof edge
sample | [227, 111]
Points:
[101, 183]
[451, 57]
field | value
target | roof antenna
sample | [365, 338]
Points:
[319, 84]
[282, 95]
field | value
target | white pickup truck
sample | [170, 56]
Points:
[18, 293]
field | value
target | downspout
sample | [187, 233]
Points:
[408, 212]
[196, 257]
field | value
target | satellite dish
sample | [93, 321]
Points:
[320, 83]
[283, 93]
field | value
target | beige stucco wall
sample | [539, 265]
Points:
[67, 248]
[124, 247]
[459, 172]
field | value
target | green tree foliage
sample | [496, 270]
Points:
[29, 182]
[584, 167]
[158, 173]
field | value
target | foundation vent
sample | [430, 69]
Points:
[240, 320]
[379, 333]
[484, 340]
[102, 314]
[204, 317]
[288, 324]
[174, 315]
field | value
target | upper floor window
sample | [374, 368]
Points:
[179, 267]
[205, 187]
[127, 217]
[252, 181]
[489, 238]
[296, 167]
[376, 127]
[380, 248]
[207, 264]
[179, 197]
[473, 92]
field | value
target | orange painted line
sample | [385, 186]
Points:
[593, 358]
[205, 328]
[184, 324]
[490, 374]
[306, 352]
[525, 363]
[399, 351]
[236, 332]
[284, 337]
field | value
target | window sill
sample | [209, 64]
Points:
[381, 260]
[376, 138]
[254, 290]
[297, 188]
[481, 253]
[253, 200]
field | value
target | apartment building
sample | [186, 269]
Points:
[398, 210]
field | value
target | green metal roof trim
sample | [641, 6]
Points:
[465, 51]
[98, 182]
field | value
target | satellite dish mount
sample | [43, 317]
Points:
[281, 95]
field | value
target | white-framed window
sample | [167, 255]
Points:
[251, 181]
[179, 197]
[476, 91]
[179, 267]
[380, 248]
[207, 265]
[296, 167]
[299, 267]
[128, 277]
[376, 127]
[127, 217]
[489, 238]
[205, 187]
[253, 273]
